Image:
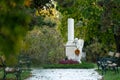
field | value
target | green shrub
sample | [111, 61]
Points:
[25, 74]
[45, 46]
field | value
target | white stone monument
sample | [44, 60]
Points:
[73, 44]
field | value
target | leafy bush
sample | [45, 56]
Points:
[45, 46]
[96, 49]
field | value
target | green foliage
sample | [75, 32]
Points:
[94, 19]
[24, 75]
[107, 76]
[85, 11]
[13, 25]
[110, 19]
[40, 10]
[95, 49]
[44, 45]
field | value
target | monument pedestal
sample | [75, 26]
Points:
[70, 52]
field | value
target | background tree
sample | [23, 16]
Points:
[110, 19]
[14, 22]
[88, 23]
[44, 41]
[44, 45]
[15, 18]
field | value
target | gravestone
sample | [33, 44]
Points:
[73, 46]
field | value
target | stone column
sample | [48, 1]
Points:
[70, 46]
[70, 29]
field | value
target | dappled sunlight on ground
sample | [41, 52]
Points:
[64, 74]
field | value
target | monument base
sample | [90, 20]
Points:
[70, 52]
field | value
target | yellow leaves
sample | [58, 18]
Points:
[43, 12]
[13, 4]
[37, 13]
[27, 3]
[93, 3]
[52, 12]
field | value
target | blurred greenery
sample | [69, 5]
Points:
[24, 75]
[107, 76]
[45, 45]
[14, 21]
[96, 21]
[17, 17]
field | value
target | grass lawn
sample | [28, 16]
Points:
[110, 75]
[25, 74]
[84, 65]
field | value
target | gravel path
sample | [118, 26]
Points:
[64, 74]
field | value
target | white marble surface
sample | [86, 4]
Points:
[64, 74]
[70, 29]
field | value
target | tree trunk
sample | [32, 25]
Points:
[117, 41]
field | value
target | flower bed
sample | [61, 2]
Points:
[68, 62]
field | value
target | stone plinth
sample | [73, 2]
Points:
[70, 51]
